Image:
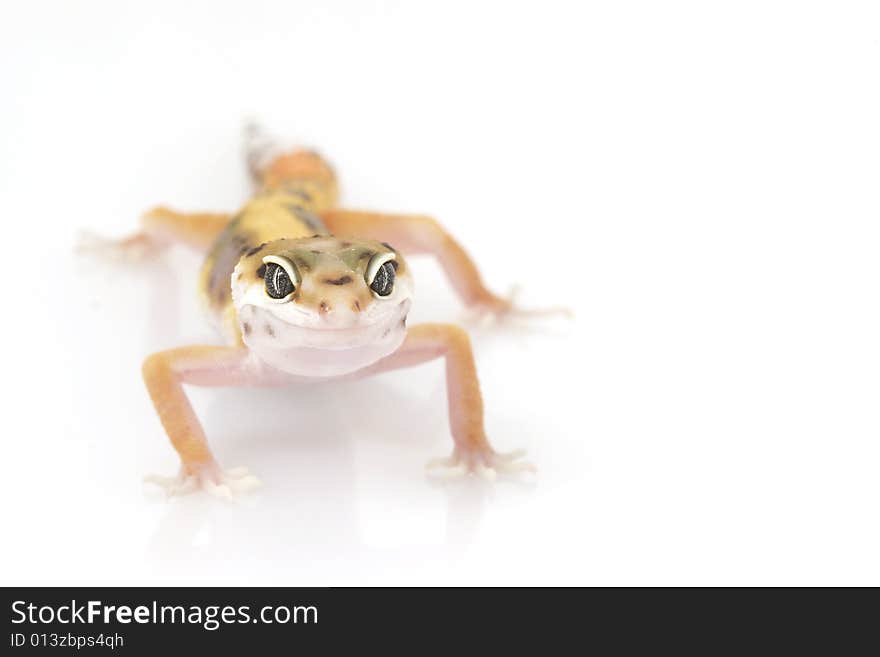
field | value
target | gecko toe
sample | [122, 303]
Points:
[486, 473]
[507, 457]
[223, 491]
[225, 485]
[515, 467]
[244, 483]
[485, 464]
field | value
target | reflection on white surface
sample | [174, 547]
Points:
[344, 496]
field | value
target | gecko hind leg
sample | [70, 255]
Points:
[165, 373]
[160, 227]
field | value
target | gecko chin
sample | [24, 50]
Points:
[312, 347]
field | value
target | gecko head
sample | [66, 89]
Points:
[322, 306]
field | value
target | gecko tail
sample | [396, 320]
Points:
[259, 150]
[272, 164]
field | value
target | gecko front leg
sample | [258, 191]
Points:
[165, 373]
[472, 452]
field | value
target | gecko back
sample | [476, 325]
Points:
[292, 188]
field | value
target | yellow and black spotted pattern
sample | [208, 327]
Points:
[294, 189]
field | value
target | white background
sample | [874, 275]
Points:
[698, 181]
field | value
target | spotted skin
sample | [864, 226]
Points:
[331, 325]
[294, 189]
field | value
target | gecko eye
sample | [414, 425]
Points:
[279, 278]
[381, 273]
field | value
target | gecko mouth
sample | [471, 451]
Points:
[319, 351]
[263, 328]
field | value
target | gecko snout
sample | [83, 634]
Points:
[342, 308]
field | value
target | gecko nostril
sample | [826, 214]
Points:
[356, 306]
[324, 308]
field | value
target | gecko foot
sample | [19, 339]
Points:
[495, 310]
[485, 464]
[135, 248]
[225, 484]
